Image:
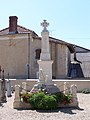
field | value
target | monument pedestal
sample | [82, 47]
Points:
[45, 72]
[52, 88]
[45, 76]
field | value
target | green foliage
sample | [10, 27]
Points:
[67, 99]
[42, 101]
[50, 102]
[85, 91]
[36, 98]
[59, 97]
[62, 98]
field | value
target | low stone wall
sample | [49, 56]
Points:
[18, 104]
[23, 105]
[30, 83]
[81, 84]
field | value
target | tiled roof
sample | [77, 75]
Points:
[80, 70]
[20, 29]
[85, 59]
[80, 49]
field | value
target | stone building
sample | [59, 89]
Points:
[20, 49]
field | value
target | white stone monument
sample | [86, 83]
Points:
[45, 62]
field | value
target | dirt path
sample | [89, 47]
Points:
[83, 113]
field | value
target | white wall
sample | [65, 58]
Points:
[81, 84]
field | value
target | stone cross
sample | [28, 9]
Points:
[45, 48]
[45, 24]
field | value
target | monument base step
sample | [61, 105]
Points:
[52, 89]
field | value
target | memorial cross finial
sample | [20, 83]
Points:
[45, 24]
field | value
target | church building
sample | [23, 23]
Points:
[20, 50]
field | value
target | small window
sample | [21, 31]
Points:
[38, 51]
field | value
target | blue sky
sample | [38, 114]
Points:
[69, 19]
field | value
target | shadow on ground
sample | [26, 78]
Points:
[64, 110]
[68, 110]
[1, 105]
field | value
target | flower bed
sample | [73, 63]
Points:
[41, 100]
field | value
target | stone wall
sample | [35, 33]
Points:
[61, 61]
[14, 56]
[34, 67]
[81, 84]
[19, 104]
[53, 57]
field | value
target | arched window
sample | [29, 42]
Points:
[38, 51]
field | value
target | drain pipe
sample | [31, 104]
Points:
[28, 64]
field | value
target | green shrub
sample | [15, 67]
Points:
[85, 91]
[59, 97]
[36, 98]
[62, 98]
[42, 101]
[50, 102]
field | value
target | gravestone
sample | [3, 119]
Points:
[2, 91]
[9, 89]
[2, 86]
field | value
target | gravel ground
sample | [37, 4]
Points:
[83, 113]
